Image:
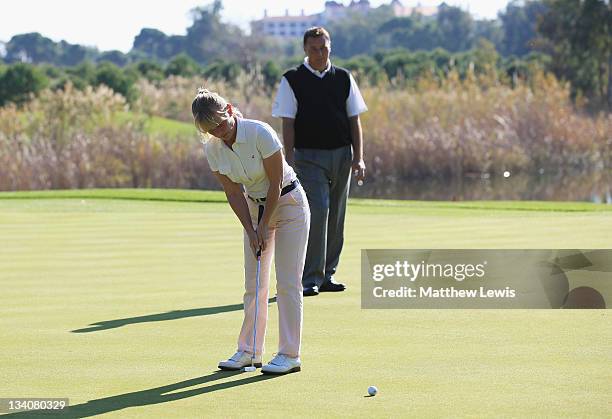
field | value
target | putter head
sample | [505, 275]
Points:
[249, 369]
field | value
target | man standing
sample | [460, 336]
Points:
[320, 104]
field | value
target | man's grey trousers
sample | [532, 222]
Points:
[325, 176]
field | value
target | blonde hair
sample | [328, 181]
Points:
[209, 109]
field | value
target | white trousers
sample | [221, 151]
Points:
[286, 241]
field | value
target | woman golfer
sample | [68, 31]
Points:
[245, 152]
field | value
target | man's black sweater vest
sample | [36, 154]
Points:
[321, 120]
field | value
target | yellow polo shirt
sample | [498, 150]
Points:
[243, 163]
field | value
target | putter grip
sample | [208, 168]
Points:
[259, 215]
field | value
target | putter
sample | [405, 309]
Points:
[252, 367]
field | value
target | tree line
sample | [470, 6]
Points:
[571, 38]
[208, 38]
[399, 67]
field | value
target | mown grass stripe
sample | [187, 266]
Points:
[198, 196]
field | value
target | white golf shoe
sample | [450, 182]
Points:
[282, 364]
[239, 360]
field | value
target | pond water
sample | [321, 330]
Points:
[591, 187]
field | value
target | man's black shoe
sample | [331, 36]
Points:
[310, 291]
[332, 286]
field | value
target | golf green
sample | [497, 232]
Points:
[125, 301]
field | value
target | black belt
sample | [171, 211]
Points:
[294, 184]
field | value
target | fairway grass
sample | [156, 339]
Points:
[169, 129]
[124, 301]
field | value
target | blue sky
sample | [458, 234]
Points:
[113, 24]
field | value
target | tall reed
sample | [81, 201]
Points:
[446, 128]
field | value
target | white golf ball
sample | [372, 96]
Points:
[506, 174]
[372, 390]
[359, 182]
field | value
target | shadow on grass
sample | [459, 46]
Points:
[171, 315]
[148, 397]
